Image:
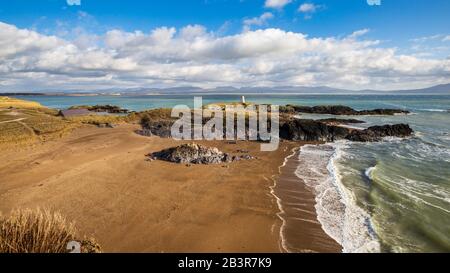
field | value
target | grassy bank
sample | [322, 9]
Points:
[26, 122]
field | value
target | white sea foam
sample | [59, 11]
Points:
[336, 209]
[352, 127]
[434, 110]
[369, 172]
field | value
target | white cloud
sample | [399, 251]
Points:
[193, 56]
[74, 2]
[257, 21]
[359, 33]
[308, 8]
[446, 38]
[193, 31]
[277, 4]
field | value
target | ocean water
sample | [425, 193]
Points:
[391, 196]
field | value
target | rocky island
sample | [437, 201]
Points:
[158, 123]
[338, 110]
[111, 109]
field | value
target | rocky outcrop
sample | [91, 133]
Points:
[337, 121]
[376, 133]
[112, 109]
[159, 123]
[196, 154]
[338, 110]
[311, 130]
[161, 128]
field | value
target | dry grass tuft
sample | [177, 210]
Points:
[39, 231]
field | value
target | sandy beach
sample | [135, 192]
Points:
[100, 179]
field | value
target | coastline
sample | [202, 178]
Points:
[279, 202]
[300, 231]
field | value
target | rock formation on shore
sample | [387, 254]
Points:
[311, 130]
[376, 133]
[159, 123]
[338, 110]
[338, 121]
[196, 154]
[111, 109]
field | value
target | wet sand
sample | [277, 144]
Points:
[301, 231]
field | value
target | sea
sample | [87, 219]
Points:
[389, 196]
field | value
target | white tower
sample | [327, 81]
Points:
[243, 99]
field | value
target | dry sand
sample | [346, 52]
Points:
[100, 179]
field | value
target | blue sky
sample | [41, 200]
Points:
[394, 20]
[417, 28]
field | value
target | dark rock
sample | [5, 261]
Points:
[161, 128]
[112, 109]
[376, 133]
[337, 121]
[337, 110]
[311, 130]
[288, 109]
[191, 153]
[196, 154]
[386, 112]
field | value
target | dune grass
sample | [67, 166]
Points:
[99, 119]
[24, 122]
[40, 231]
[6, 102]
[14, 132]
[45, 124]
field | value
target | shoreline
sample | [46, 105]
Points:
[300, 231]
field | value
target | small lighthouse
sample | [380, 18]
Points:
[243, 99]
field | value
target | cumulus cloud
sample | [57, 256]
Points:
[166, 57]
[257, 21]
[277, 4]
[74, 2]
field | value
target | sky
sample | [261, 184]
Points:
[102, 44]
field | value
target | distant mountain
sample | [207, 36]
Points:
[443, 89]
[438, 89]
